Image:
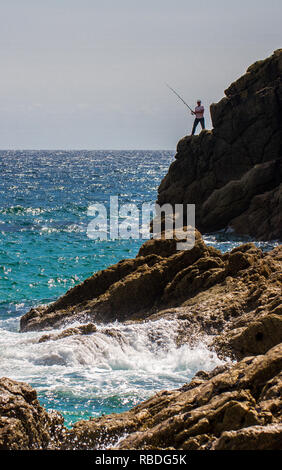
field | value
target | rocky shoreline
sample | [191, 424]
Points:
[233, 300]
[234, 407]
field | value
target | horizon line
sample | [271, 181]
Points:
[85, 149]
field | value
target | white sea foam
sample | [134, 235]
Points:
[91, 374]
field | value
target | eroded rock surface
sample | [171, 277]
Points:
[88, 329]
[24, 424]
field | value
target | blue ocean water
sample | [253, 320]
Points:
[44, 250]
[44, 197]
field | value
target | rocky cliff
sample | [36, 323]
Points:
[234, 173]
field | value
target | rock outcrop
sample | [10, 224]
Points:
[121, 292]
[88, 329]
[234, 173]
[234, 298]
[24, 424]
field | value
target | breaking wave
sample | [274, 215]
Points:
[108, 371]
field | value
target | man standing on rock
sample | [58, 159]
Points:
[199, 113]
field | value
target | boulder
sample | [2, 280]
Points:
[24, 424]
[79, 330]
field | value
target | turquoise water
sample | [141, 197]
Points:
[44, 197]
[44, 250]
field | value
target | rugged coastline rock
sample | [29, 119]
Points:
[234, 173]
[234, 407]
[233, 298]
[121, 292]
[79, 330]
[212, 412]
[24, 423]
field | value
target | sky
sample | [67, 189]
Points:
[91, 74]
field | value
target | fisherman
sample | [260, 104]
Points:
[199, 113]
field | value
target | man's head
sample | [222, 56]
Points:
[199, 102]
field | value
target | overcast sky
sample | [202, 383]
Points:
[91, 74]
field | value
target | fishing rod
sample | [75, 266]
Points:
[180, 98]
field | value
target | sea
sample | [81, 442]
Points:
[45, 249]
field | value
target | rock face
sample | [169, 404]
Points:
[234, 173]
[24, 424]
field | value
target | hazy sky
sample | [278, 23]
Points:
[91, 73]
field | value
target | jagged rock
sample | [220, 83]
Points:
[79, 330]
[24, 424]
[131, 287]
[166, 242]
[252, 438]
[232, 407]
[255, 338]
[233, 173]
[88, 329]
[115, 334]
